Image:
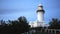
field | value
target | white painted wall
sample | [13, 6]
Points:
[40, 16]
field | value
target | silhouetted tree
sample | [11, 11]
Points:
[55, 24]
[24, 24]
[14, 27]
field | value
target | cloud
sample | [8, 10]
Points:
[7, 11]
[3, 11]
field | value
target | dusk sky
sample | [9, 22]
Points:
[12, 9]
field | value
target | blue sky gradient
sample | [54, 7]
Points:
[12, 9]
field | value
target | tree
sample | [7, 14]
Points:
[22, 19]
[14, 27]
[55, 23]
[24, 24]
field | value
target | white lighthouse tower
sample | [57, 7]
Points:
[40, 16]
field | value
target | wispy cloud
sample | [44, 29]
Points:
[7, 11]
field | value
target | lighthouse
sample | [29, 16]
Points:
[40, 16]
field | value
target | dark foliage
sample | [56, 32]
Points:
[14, 27]
[54, 24]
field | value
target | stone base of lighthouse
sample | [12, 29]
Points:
[37, 24]
[40, 24]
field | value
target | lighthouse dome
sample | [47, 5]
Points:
[40, 5]
[40, 8]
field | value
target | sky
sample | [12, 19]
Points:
[13, 9]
